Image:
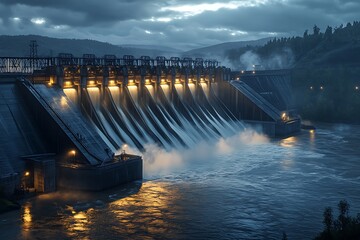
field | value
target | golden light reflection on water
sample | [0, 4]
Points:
[150, 211]
[287, 164]
[26, 220]
[312, 135]
[288, 142]
[78, 224]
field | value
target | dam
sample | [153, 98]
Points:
[65, 120]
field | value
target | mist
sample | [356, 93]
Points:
[280, 60]
[159, 162]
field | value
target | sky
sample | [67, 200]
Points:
[180, 24]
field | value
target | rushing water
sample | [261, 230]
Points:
[244, 187]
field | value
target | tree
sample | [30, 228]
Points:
[306, 33]
[316, 30]
[328, 32]
[328, 219]
[343, 218]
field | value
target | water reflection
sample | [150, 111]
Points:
[26, 216]
[78, 223]
[288, 142]
[151, 211]
[287, 164]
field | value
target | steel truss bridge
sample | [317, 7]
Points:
[27, 65]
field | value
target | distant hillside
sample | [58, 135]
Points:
[221, 49]
[163, 49]
[338, 46]
[19, 46]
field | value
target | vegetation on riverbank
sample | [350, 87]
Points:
[328, 94]
[325, 70]
[344, 227]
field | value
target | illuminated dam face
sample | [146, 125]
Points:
[171, 114]
[84, 111]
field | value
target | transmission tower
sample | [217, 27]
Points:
[33, 49]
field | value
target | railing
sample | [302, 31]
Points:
[23, 64]
[27, 65]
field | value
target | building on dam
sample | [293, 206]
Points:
[65, 120]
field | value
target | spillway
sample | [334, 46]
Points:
[171, 116]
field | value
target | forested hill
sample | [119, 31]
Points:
[333, 46]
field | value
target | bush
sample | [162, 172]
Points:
[344, 227]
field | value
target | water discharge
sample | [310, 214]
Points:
[245, 186]
[161, 116]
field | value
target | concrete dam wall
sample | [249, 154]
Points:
[69, 123]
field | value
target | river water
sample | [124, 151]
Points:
[243, 187]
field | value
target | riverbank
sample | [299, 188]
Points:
[328, 94]
[8, 205]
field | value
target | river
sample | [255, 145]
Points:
[243, 187]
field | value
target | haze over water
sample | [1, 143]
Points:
[243, 187]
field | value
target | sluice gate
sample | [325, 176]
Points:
[86, 110]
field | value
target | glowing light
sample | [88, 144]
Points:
[68, 83]
[312, 131]
[242, 71]
[131, 82]
[112, 82]
[311, 88]
[38, 21]
[91, 82]
[284, 116]
[72, 153]
[16, 19]
[27, 173]
[147, 32]
[147, 81]
[356, 88]
[71, 95]
[321, 88]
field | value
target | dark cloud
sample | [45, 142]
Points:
[147, 22]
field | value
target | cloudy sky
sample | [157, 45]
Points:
[182, 24]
